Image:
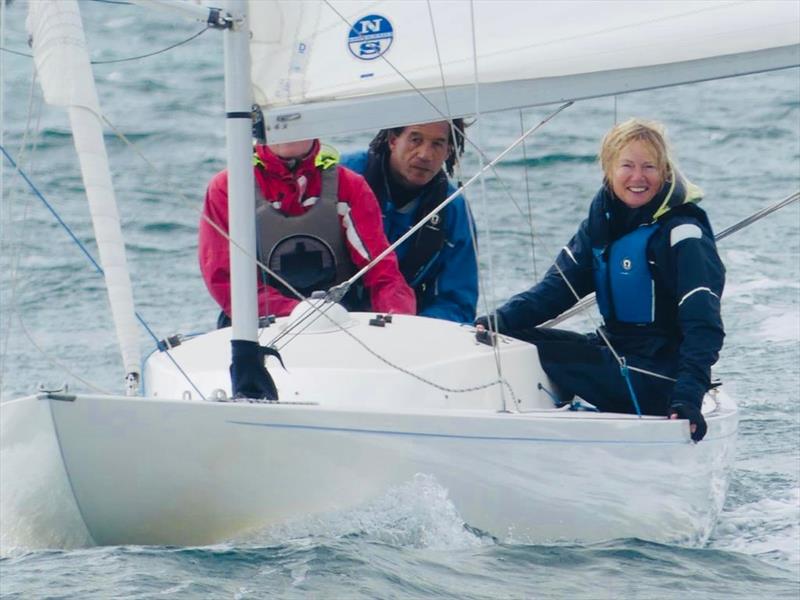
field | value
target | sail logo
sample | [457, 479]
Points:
[370, 37]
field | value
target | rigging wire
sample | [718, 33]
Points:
[471, 222]
[28, 147]
[89, 256]
[588, 301]
[470, 219]
[188, 202]
[3, 204]
[447, 201]
[315, 311]
[428, 101]
[485, 294]
[477, 146]
[149, 54]
[528, 196]
[127, 59]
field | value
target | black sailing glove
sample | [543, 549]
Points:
[486, 336]
[691, 412]
[496, 322]
[249, 375]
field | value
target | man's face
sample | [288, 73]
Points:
[417, 154]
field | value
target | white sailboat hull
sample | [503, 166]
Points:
[182, 471]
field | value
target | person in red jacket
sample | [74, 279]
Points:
[317, 224]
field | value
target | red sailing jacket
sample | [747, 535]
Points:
[359, 216]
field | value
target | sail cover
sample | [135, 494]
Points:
[62, 62]
[322, 67]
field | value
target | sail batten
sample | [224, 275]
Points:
[311, 57]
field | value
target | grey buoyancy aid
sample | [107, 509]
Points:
[623, 280]
[307, 250]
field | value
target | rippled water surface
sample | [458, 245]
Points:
[739, 139]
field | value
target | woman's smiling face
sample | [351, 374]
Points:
[636, 177]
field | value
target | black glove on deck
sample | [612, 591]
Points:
[249, 375]
[691, 412]
[496, 322]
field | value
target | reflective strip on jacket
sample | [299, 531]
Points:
[292, 192]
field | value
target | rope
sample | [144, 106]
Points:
[442, 205]
[313, 309]
[154, 53]
[185, 201]
[445, 117]
[88, 255]
[623, 369]
[15, 255]
[500, 381]
[484, 197]
[128, 59]
[552, 396]
[590, 300]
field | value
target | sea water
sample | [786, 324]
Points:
[739, 139]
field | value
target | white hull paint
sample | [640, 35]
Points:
[187, 471]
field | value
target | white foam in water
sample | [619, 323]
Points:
[37, 509]
[769, 528]
[742, 291]
[417, 514]
[783, 327]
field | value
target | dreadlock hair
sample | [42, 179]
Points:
[380, 143]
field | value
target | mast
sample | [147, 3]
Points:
[249, 376]
[241, 198]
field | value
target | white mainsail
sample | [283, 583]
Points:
[62, 62]
[314, 75]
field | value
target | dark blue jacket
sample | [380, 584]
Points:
[686, 334]
[447, 284]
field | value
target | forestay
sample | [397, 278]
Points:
[315, 75]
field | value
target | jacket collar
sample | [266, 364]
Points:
[276, 166]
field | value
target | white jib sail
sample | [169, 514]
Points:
[323, 67]
[62, 62]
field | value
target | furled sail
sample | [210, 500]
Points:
[62, 62]
[322, 67]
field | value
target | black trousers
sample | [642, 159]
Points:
[583, 365]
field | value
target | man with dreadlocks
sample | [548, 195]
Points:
[403, 166]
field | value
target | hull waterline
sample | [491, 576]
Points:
[155, 471]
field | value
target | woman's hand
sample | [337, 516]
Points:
[697, 423]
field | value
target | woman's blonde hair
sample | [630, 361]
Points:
[651, 133]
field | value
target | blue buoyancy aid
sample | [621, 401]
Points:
[623, 279]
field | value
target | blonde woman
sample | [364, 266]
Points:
[648, 252]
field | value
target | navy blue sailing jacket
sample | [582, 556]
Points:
[684, 332]
[447, 281]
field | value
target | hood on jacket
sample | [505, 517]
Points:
[610, 218]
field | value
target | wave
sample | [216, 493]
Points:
[550, 160]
